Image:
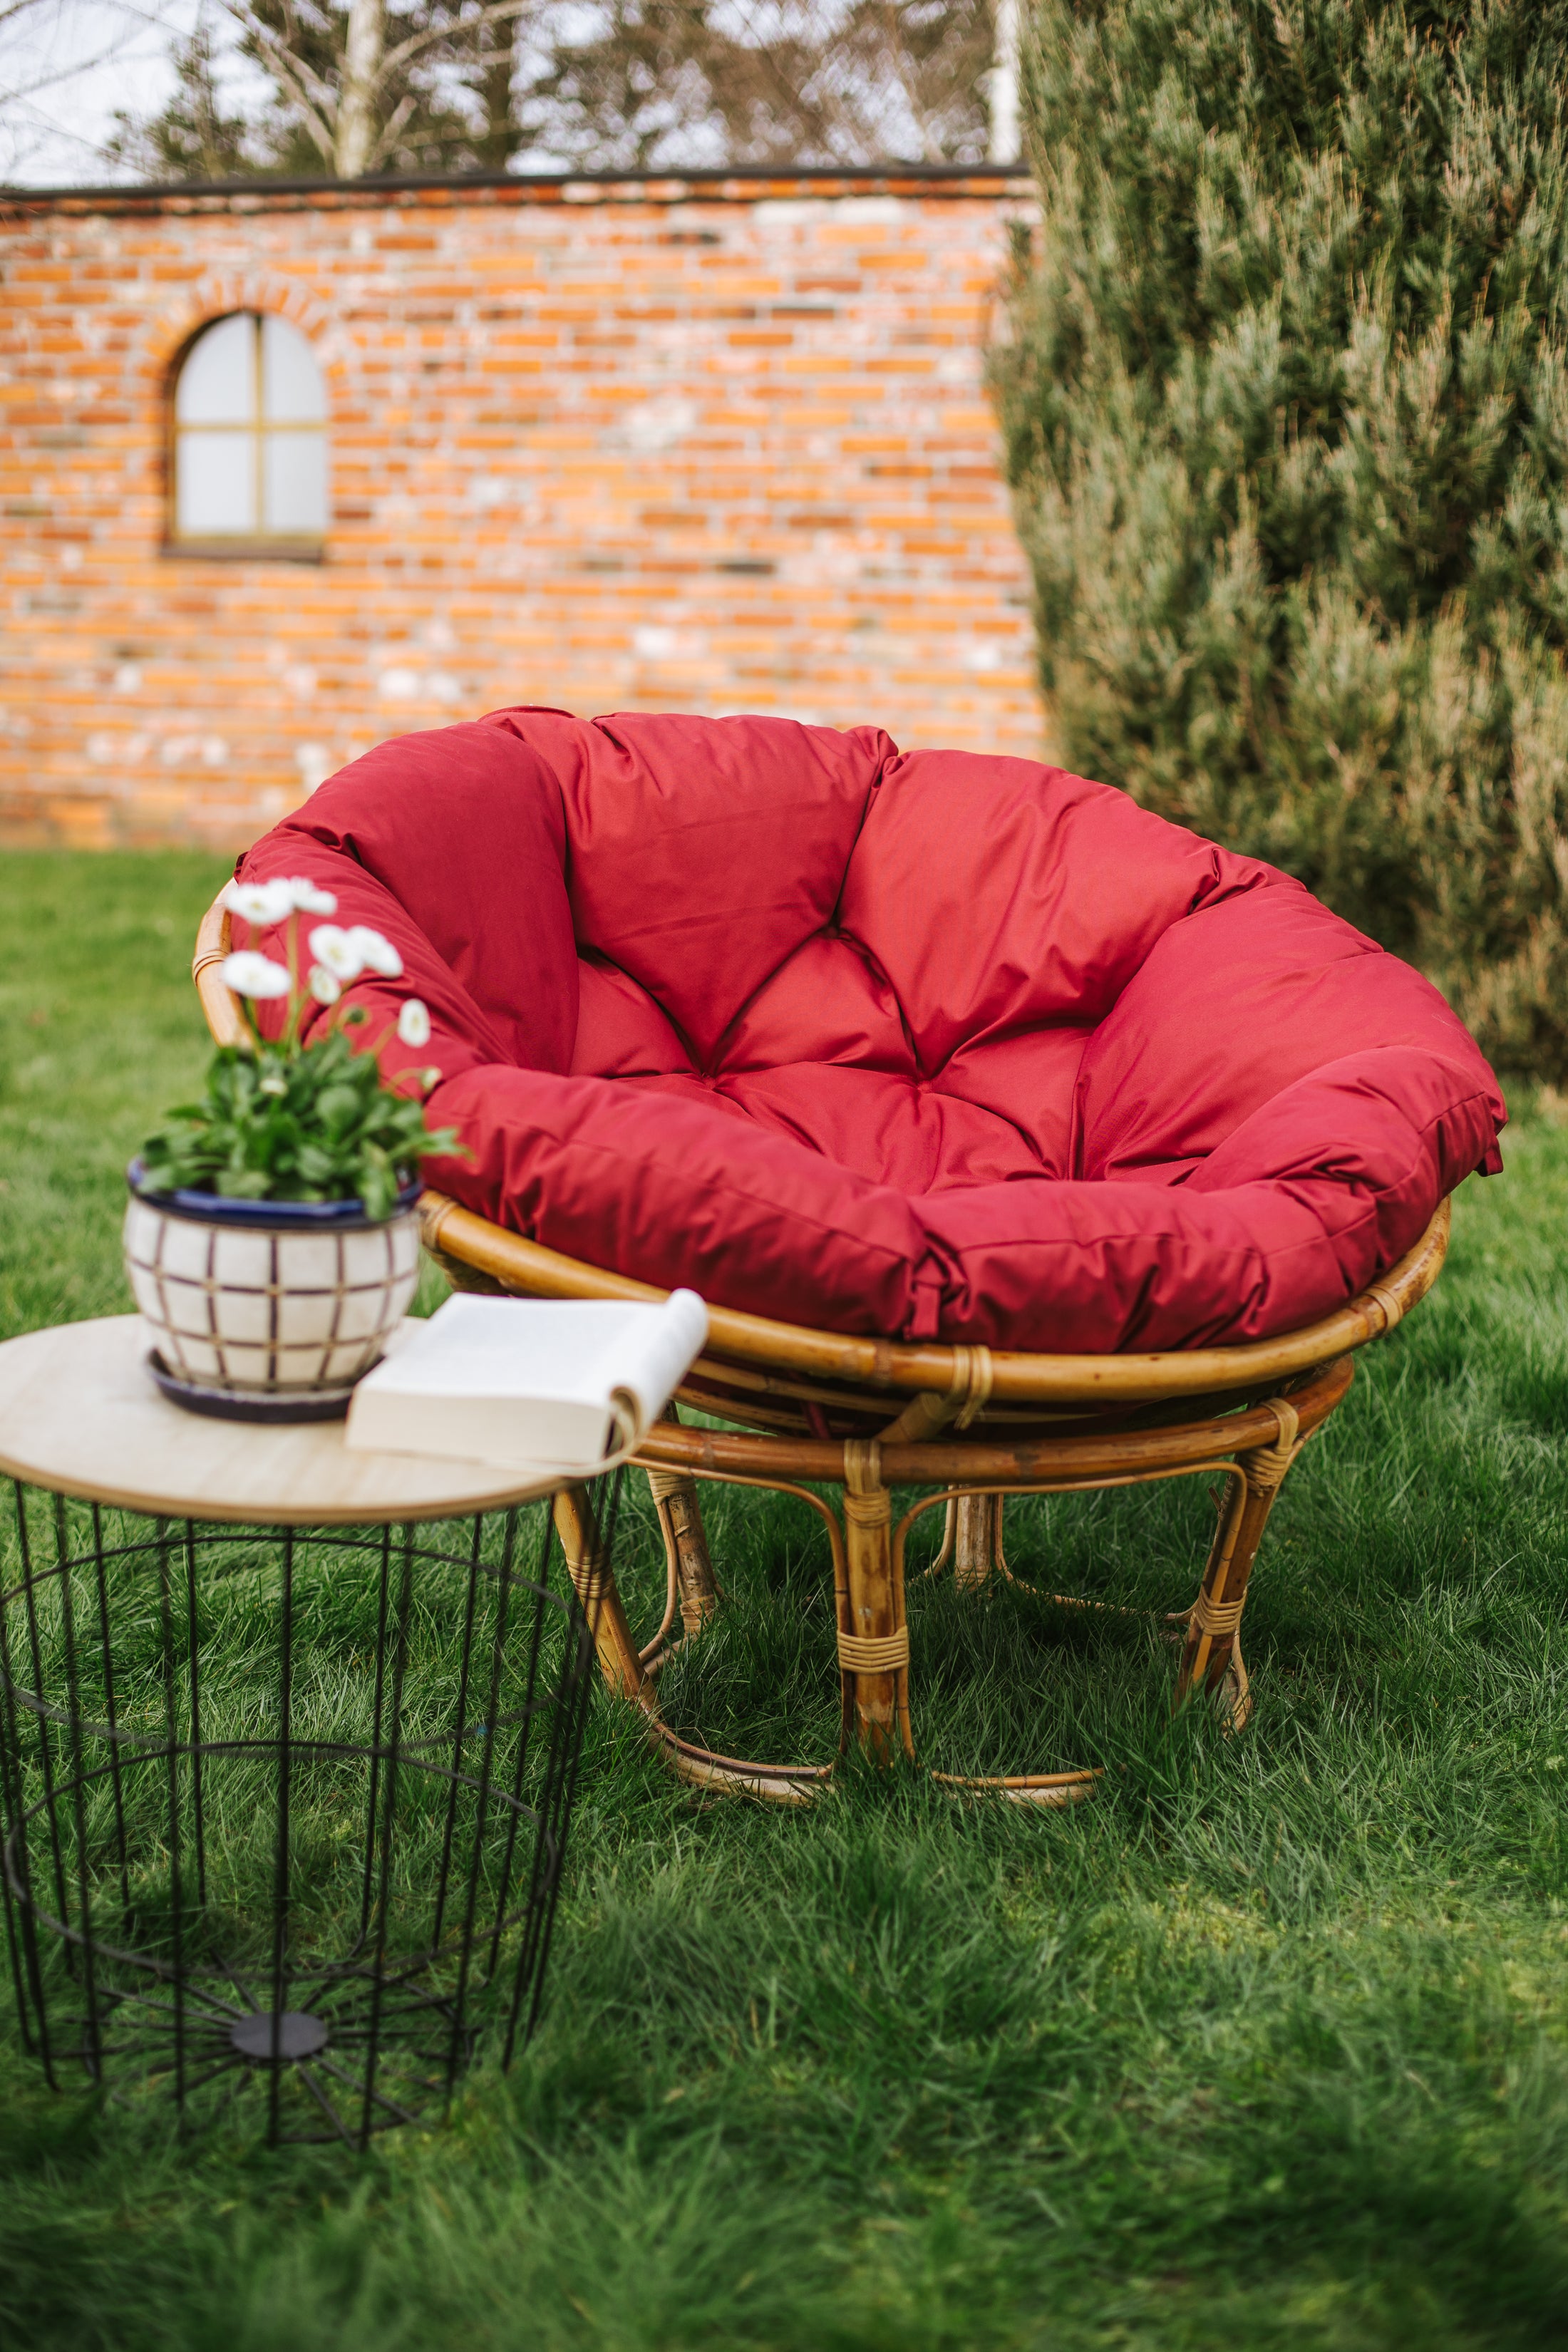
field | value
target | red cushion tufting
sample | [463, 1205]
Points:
[923, 1044]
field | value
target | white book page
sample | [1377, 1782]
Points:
[643, 1365]
[521, 1347]
[512, 1380]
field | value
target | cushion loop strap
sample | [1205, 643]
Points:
[873, 1654]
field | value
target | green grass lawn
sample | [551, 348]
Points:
[1268, 2046]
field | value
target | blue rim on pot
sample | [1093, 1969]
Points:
[304, 1216]
[267, 1311]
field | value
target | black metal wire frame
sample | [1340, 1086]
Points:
[130, 1956]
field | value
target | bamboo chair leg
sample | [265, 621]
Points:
[978, 1540]
[1210, 1656]
[874, 1645]
[596, 1589]
[686, 1546]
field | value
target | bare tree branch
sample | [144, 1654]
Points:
[310, 89]
[501, 12]
[395, 122]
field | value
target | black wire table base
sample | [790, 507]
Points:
[285, 1810]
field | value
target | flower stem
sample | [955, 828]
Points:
[295, 994]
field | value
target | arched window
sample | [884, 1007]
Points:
[249, 457]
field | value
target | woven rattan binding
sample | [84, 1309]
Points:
[873, 1654]
[1216, 1618]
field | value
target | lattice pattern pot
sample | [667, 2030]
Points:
[269, 1298]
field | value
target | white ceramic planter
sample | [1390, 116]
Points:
[268, 1304]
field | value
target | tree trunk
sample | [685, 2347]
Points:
[1006, 134]
[356, 123]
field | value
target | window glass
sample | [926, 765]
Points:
[217, 382]
[250, 456]
[294, 482]
[291, 388]
[217, 485]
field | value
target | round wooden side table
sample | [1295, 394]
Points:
[288, 1737]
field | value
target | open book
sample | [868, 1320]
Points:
[527, 1382]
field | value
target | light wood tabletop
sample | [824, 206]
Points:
[79, 1414]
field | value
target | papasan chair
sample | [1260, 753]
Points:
[1020, 1141]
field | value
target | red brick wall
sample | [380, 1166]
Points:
[707, 446]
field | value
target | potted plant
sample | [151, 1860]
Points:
[270, 1239]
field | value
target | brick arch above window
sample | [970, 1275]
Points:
[249, 455]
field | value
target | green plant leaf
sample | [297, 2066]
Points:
[243, 1183]
[323, 1126]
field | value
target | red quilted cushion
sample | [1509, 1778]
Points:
[920, 1043]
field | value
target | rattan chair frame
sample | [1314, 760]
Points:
[806, 1408]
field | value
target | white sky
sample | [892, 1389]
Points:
[65, 67]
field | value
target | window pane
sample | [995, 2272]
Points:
[217, 382]
[291, 390]
[216, 483]
[294, 475]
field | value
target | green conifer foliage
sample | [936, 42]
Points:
[1286, 395]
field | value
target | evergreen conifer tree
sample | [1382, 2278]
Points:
[1286, 394]
[195, 134]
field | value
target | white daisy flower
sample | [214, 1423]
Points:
[261, 903]
[338, 950]
[249, 974]
[376, 953]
